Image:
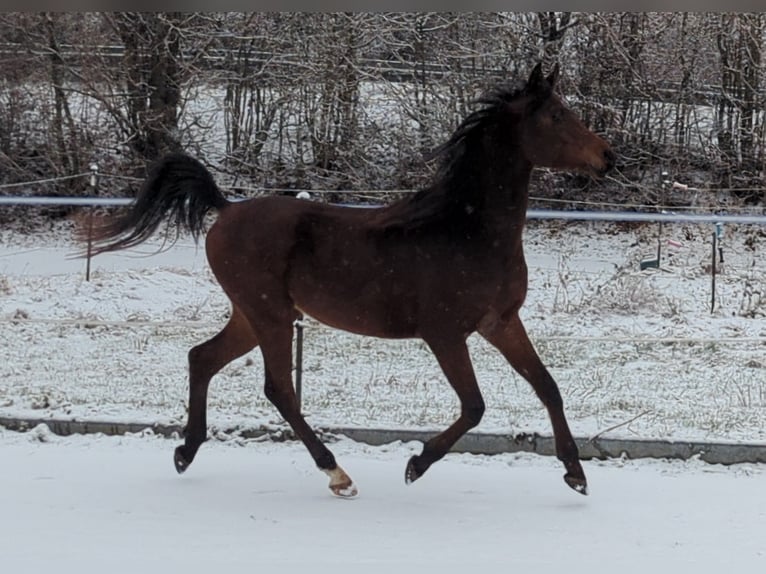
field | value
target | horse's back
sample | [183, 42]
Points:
[267, 223]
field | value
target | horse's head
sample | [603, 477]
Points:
[551, 135]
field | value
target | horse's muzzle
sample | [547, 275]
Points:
[605, 163]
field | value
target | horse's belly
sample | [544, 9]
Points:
[376, 319]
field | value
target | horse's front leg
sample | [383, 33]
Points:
[510, 337]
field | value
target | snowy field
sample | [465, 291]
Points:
[93, 504]
[637, 352]
[631, 349]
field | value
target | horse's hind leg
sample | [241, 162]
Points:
[455, 362]
[205, 360]
[276, 345]
[510, 338]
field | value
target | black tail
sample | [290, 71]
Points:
[178, 188]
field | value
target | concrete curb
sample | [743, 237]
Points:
[600, 448]
[476, 443]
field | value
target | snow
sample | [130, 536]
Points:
[115, 348]
[89, 503]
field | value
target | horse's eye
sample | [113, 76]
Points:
[557, 115]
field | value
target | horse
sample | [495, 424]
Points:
[440, 264]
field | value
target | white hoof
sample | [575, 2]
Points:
[341, 484]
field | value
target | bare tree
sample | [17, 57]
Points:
[360, 100]
[740, 119]
[255, 85]
[153, 66]
[65, 130]
[42, 134]
[553, 29]
[329, 105]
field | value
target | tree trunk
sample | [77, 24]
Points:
[64, 130]
[152, 61]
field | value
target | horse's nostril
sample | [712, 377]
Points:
[610, 157]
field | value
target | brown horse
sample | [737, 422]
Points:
[440, 265]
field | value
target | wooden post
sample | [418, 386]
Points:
[712, 275]
[93, 191]
[299, 338]
[719, 233]
[659, 245]
[90, 244]
[664, 185]
[299, 359]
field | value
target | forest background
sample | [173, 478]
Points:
[354, 102]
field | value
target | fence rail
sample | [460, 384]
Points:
[661, 214]
[580, 215]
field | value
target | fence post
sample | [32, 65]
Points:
[93, 190]
[299, 337]
[712, 275]
[299, 359]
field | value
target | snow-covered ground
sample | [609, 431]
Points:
[115, 348]
[93, 504]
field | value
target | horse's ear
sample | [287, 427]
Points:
[535, 78]
[554, 76]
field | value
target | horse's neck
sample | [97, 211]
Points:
[507, 195]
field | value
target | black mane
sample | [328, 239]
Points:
[454, 195]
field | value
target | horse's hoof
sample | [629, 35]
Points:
[341, 484]
[578, 484]
[349, 491]
[411, 473]
[180, 460]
